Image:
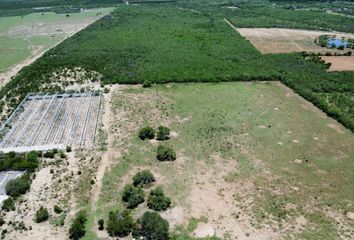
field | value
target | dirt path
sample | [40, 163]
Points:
[6, 76]
[106, 156]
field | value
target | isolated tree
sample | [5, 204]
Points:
[163, 133]
[133, 196]
[165, 153]
[119, 224]
[143, 178]
[17, 186]
[158, 201]
[146, 133]
[151, 226]
[77, 228]
[41, 215]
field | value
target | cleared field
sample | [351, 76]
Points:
[24, 38]
[340, 63]
[265, 165]
[283, 40]
[44, 122]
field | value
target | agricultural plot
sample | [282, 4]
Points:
[283, 40]
[45, 122]
[340, 63]
[265, 165]
[24, 38]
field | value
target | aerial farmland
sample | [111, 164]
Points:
[199, 120]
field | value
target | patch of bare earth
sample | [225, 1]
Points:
[340, 63]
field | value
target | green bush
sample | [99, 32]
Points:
[100, 223]
[18, 186]
[41, 215]
[165, 153]
[68, 149]
[18, 162]
[151, 226]
[49, 154]
[8, 204]
[57, 209]
[77, 228]
[119, 224]
[143, 178]
[133, 196]
[163, 133]
[158, 201]
[147, 133]
[147, 84]
[32, 156]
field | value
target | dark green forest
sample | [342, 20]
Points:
[169, 43]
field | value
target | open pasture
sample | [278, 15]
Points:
[45, 122]
[265, 165]
[24, 38]
[284, 40]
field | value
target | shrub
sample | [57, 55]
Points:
[77, 228]
[147, 84]
[100, 223]
[18, 186]
[119, 224]
[49, 154]
[68, 149]
[158, 201]
[41, 215]
[32, 156]
[163, 133]
[133, 196]
[2, 221]
[147, 133]
[8, 204]
[143, 177]
[151, 226]
[62, 155]
[165, 153]
[57, 209]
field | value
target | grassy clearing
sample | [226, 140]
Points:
[23, 36]
[266, 158]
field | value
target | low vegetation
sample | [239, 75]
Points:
[142, 178]
[77, 228]
[41, 215]
[133, 196]
[165, 153]
[18, 186]
[158, 201]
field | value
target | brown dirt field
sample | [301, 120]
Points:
[282, 40]
[340, 63]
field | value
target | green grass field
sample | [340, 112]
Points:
[279, 157]
[23, 37]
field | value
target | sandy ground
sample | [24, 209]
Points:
[282, 40]
[41, 29]
[340, 63]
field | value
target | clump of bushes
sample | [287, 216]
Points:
[158, 201]
[163, 133]
[165, 153]
[151, 226]
[18, 186]
[120, 224]
[49, 154]
[143, 178]
[8, 204]
[77, 228]
[133, 196]
[41, 215]
[147, 133]
[19, 162]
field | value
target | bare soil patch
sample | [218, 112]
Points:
[340, 63]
